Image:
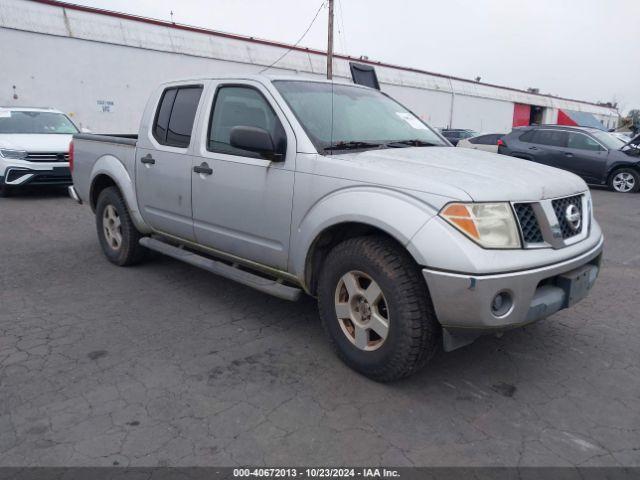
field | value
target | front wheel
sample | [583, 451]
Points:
[117, 234]
[625, 180]
[376, 309]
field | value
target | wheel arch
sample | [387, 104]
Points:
[109, 171]
[333, 235]
[620, 166]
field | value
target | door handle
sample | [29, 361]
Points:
[533, 148]
[567, 154]
[148, 159]
[203, 168]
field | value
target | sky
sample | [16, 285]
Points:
[580, 49]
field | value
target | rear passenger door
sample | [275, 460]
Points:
[163, 163]
[546, 146]
[242, 204]
[585, 157]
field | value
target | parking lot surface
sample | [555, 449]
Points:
[164, 364]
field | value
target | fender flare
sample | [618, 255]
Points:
[398, 214]
[114, 169]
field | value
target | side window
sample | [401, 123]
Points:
[242, 106]
[161, 125]
[552, 138]
[176, 113]
[490, 139]
[527, 136]
[583, 142]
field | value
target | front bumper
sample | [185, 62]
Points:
[464, 302]
[20, 176]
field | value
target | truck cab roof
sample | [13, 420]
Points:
[263, 78]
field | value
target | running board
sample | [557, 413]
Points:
[266, 285]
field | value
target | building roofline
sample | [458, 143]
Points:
[272, 43]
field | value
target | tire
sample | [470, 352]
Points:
[112, 217]
[625, 180]
[413, 333]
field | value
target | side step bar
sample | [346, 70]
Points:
[266, 285]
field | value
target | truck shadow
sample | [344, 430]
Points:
[39, 192]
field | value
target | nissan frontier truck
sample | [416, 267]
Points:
[296, 185]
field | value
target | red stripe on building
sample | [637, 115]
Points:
[564, 119]
[521, 114]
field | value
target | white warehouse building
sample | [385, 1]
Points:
[100, 66]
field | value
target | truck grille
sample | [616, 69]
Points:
[560, 206]
[529, 226]
[48, 156]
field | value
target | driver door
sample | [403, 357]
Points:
[242, 206]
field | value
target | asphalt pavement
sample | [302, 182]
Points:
[165, 364]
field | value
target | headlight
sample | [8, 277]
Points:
[491, 225]
[13, 154]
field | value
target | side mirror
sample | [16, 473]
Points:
[254, 139]
[85, 130]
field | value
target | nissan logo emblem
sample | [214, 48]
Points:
[572, 216]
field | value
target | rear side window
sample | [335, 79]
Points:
[491, 139]
[162, 117]
[552, 138]
[175, 116]
[242, 106]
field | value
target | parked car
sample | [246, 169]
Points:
[454, 135]
[34, 147]
[596, 156]
[634, 144]
[625, 137]
[487, 142]
[405, 241]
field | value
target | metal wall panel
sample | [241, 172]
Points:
[482, 114]
[96, 56]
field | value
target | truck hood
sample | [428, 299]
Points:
[35, 142]
[460, 173]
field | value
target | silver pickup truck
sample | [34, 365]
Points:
[293, 185]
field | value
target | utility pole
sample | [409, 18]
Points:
[330, 43]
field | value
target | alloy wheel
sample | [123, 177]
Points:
[623, 182]
[362, 310]
[112, 227]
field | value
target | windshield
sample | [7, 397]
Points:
[610, 141]
[35, 122]
[341, 115]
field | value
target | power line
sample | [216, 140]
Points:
[299, 40]
[342, 32]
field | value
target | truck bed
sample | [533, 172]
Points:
[91, 149]
[121, 138]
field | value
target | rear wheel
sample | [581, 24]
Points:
[117, 234]
[625, 180]
[376, 309]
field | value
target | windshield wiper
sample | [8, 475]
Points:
[351, 145]
[410, 143]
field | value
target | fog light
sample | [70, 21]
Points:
[501, 304]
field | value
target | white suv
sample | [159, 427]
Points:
[34, 147]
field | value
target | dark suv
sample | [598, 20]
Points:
[594, 155]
